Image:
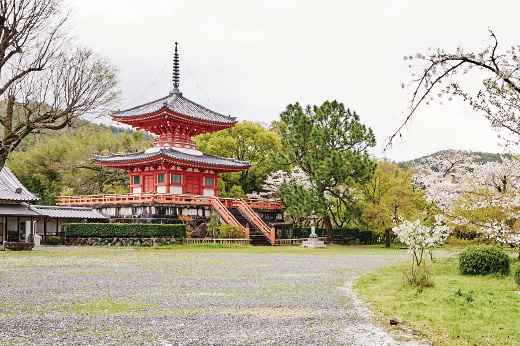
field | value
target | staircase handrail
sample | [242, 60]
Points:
[224, 212]
[269, 232]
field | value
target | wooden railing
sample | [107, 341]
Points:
[220, 205]
[138, 198]
[269, 232]
[216, 241]
[223, 212]
[296, 241]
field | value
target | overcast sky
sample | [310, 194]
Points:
[249, 59]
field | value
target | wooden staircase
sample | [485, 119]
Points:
[239, 213]
[256, 236]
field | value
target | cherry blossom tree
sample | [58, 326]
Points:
[275, 180]
[481, 197]
[420, 238]
[438, 74]
[490, 201]
[440, 174]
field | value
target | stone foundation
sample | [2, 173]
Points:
[146, 242]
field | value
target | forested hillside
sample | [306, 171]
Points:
[59, 162]
[481, 157]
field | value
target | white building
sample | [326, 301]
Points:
[21, 219]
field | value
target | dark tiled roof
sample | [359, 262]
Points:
[177, 104]
[56, 212]
[12, 190]
[204, 159]
[24, 209]
[17, 210]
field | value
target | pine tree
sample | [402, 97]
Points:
[329, 144]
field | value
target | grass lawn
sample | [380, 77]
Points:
[458, 310]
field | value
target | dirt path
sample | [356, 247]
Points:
[215, 297]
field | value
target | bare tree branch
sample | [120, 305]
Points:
[46, 81]
[500, 98]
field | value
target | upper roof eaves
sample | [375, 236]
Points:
[177, 104]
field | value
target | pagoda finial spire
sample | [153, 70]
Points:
[175, 77]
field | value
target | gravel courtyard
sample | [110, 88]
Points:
[189, 296]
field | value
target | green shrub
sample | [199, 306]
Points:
[483, 260]
[230, 231]
[124, 230]
[345, 234]
[516, 273]
[420, 277]
[53, 240]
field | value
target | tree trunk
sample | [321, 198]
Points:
[328, 227]
[388, 237]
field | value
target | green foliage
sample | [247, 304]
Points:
[235, 192]
[457, 241]
[340, 234]
[483, 260]
[61, 164]
[420, 277]
[329, 144]
[488, 304]
[516, 273]
[246, 141]
[12, 236]
[230, 231]
[213, 224]
[124, 230]
[218, 246]
[386, 196]
[53, 240]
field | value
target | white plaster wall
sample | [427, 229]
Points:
[27, 229]
[176, 189]
[136, 190]
[209, 192]
[161, 189]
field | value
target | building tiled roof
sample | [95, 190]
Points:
[17, 210]
[12, 190]
[56, 212]
[177, 104]
[26, 210]
[204, 159]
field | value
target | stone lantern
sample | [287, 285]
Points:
[312, 242]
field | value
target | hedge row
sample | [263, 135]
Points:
[342, 234]
[123, 230]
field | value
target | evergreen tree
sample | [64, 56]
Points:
[246, 141]
[329, 144]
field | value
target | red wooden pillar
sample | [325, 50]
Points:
[168, 178]
[184, 180]
[217, 175]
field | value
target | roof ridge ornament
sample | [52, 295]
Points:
[175, 78]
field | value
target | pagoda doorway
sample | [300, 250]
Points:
[148, 184]
[193, 185]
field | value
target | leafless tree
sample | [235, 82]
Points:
[46, 80]
[499, 99]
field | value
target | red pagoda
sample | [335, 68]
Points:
[173, 165]
[174, 178]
